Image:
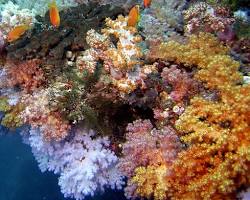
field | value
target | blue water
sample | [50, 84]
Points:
[21, 179]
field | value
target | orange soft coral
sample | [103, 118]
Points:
[217, 160]
[26, 74]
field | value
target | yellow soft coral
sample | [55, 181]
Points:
[12, 118]
[4, 105]
[217, 160]
[150, 181]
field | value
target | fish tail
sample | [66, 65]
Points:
[52, 4]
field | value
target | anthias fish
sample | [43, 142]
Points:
[54, 14]
[146, 3]
[17, 32]
[133, 16]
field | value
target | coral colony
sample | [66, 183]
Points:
[159, 108]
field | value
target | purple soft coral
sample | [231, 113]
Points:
[147, 146]
[84, 164]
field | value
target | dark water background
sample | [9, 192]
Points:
[21, 179]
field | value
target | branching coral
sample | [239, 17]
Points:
[216, 161]
[84, 164]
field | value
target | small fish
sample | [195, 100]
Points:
[54, 14]
[146, 3]
[17, 32]
[134, 16]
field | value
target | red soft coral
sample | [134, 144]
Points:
[181, 82]
[26, 74]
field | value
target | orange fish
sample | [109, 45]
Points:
[134, 16]
[17, 32]
[146, 3]
[54, 14]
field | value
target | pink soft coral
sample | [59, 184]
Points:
[147, 146]
[181, 82]
[38, 114]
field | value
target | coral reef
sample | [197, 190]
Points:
[38, 114]
[171, 11]
[241, 52]
[186, 86]
[166, 16]
[244, 195]
[156, 108]
[40, 7]
[120, 60]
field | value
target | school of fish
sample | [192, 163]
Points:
[18, 31]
